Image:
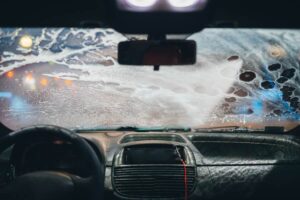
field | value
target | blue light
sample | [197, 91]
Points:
[5, 95]
[258, 106]
[18, 105]
[273, 95]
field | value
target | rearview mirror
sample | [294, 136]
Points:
[166, 52]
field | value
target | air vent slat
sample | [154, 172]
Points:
[162, 184]
[152, 181]
[157, 188]
[156, 171]
[144, 137]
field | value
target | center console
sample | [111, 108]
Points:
[153, 170]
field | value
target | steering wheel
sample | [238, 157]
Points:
[53, 185]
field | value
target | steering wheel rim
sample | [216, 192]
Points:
[95, 182]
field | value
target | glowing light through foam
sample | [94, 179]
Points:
[5, 95]
[277, 51]
[44, 82]
[68, 82]
[19, 105]
[29, 82]
[26, 42]
[183, 3]
[10, 74]
[142, 3]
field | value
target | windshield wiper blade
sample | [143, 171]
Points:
[229, 129]
[238, 129]
[138, 129]
[158, 129]
[226, 129]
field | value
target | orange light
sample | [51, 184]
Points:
[44, 82]
[56, 78]
[58, 142]
[277, 51]
[29, 82]
[10, 74]
[68, 82]
[29, 77]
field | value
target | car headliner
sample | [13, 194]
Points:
[68, 13]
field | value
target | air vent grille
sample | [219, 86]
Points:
[143, 137]
[152, 181]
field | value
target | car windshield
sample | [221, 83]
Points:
[70, 77]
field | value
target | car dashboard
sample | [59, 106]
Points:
[166, 165]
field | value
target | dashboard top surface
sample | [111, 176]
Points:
[208, 148]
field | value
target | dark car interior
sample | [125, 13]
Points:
[48, 162]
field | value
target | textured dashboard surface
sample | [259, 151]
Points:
[232, 171]
[248, 182]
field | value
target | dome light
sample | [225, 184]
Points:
[183, 3]
[142, 3]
